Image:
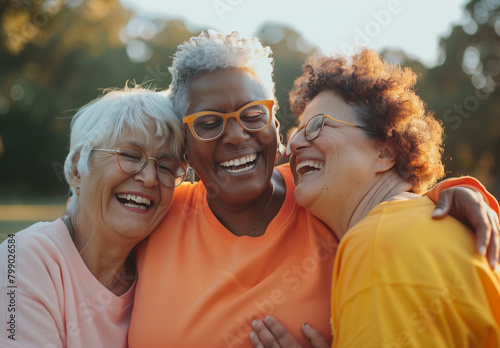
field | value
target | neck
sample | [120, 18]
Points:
[107, 258]
[358, 205]
[251, 218]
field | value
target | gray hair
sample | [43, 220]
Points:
[102, 121]
[211, 51]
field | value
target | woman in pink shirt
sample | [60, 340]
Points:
[71, 282]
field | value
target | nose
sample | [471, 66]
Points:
[297, 143]
[234, 133]
[148, 175]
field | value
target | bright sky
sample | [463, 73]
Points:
[332, 25]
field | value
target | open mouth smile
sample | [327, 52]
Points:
[239, 165]
[134, 201]
[308, 167]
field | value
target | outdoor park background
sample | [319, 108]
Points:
[56, 56]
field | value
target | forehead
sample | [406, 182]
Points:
[223, 90]
[327, 102]
[147, 141]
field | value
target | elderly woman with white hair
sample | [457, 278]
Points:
[73, 279]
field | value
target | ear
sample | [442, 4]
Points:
[75, 174]
[278, 134]
[385, 158]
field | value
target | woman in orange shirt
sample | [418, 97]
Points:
[234, 246]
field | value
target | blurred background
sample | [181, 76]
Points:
[57, 55]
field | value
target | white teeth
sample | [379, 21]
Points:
[135, 206]
[238, 161]
[250, 166]
[317, 165]
[313, 167]
[134, 198]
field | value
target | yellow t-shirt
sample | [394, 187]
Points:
[199, 285]
[402, 279]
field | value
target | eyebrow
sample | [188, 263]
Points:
[134, 143]
[220, 112]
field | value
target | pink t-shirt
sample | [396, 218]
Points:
[50, 299]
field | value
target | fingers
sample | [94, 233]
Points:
[476, 214]
[255, 339]
[482, 228]
[493, 251]
[443, 206]
[271, 335]
[468, 206]
[261, 337]
[316, 337]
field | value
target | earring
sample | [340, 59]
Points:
[190, 175]
[77, 190]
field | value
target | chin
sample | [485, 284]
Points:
[311, 199]
[304, 197]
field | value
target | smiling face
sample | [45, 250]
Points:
[236, 167]
[338, 166]
[119, 204]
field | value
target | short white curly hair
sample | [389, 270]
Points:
[212, 51]
[102, 121]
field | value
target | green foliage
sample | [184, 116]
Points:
[464, 92]
[55, 59]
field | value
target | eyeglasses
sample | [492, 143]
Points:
[210, 125]
[313, 128]
[132, 160]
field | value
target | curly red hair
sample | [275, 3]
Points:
[385, 102]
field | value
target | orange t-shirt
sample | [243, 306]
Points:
[199, 285]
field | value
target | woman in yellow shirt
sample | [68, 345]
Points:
[400, 279]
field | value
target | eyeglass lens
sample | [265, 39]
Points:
[314, 126]
[132, 160]
[253, 118]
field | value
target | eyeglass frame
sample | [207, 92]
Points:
[189, 119]
[145, 164]
[298, 129]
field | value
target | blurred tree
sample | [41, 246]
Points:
[464, 93]
[55, 56]
[289, 51]
[47, 64]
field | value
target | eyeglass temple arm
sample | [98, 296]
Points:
[344, 122]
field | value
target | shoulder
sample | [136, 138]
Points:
[36, 252]
[399, 242]
[409, 222]
[38, 236]
[186, 193]
[286, 173]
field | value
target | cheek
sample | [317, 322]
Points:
[200, 154]
[100, 183]
[269, 139]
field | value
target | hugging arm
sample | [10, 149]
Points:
[468, 201]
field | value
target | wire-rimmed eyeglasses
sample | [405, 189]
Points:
[132, 160]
